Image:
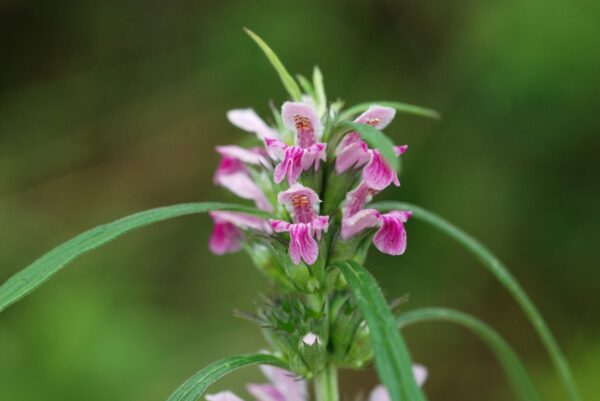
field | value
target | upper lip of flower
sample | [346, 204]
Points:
[248, 120]
[302, 119]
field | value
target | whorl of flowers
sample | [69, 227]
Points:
[315, 177]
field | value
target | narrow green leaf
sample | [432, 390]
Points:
[501, 272]
[195, 386]
[306, 86]
[288, 81]
[513, 367]
[320, 96]
[376, 139]
[400, 107]
[42, 269]
[392, 358]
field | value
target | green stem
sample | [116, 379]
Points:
[326, 384]
[501, 272]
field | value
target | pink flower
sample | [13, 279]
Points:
[390, 237]
[226, 234]
[282, 386]
[248, 120]
[353, 152]
[303, 204]
[307, 153]
[233, 175]
[380, 393]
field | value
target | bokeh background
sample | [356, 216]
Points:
[111, 107]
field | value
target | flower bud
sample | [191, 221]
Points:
[313, 352]
[349, 337]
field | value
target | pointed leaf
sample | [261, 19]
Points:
[195, 386]
[504, 276]
[392, 358]
[288, 81]
[513, 367]
[306, 86]
[42, 269]
[320, 96]
[400, 107]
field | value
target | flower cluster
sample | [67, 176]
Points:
[299, 169]
[285, 386]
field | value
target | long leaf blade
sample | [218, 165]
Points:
[376, 139]
[392, 358]
[195, 386]
[399, 106]
[503, 275]
[43, 268]
[288, 81]
[320, 96]
[514, 368]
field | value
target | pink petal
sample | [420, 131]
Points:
[302, 244]
[379, 393]
[313, 156]
[400, 150]
[296, 190]
[242, 220]
[420, 373]
[249, 156]
[378, 174]
[357, 199]
[265, 392]
[366, 218]
[310, 339]
[275, 148]
[291, 166]
[225, 238]
[248, 120]
[287, 383]
[223, 396]
[228, 165]
[302, 119]
[377, 116]
[402, 215]
[352, 152]
[320, 224]
[280, 226]
[301, 201]
[391, 237]
[241, 184]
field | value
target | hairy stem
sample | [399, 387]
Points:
[503, 275]
[326, 384]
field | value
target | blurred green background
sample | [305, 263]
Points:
[107, 108]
